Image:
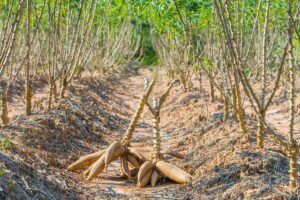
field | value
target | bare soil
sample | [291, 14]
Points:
[97, 111]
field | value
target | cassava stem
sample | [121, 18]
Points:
[129, 133]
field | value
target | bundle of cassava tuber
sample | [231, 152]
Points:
[134, 164]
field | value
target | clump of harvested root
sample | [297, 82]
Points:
[150, 171]
[133, 163]
[98, 161]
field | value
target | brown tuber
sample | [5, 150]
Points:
[173, 172]
[86, 160]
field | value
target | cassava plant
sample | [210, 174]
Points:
[98, 161]
[293, 147]
[28, 86]
[150, 170]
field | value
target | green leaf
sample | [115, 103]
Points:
[5, 143]
[2, 171]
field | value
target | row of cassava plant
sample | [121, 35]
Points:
[56, 40]
[244, 50]
[238, 62]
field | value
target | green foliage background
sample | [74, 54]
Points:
[160, 16]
